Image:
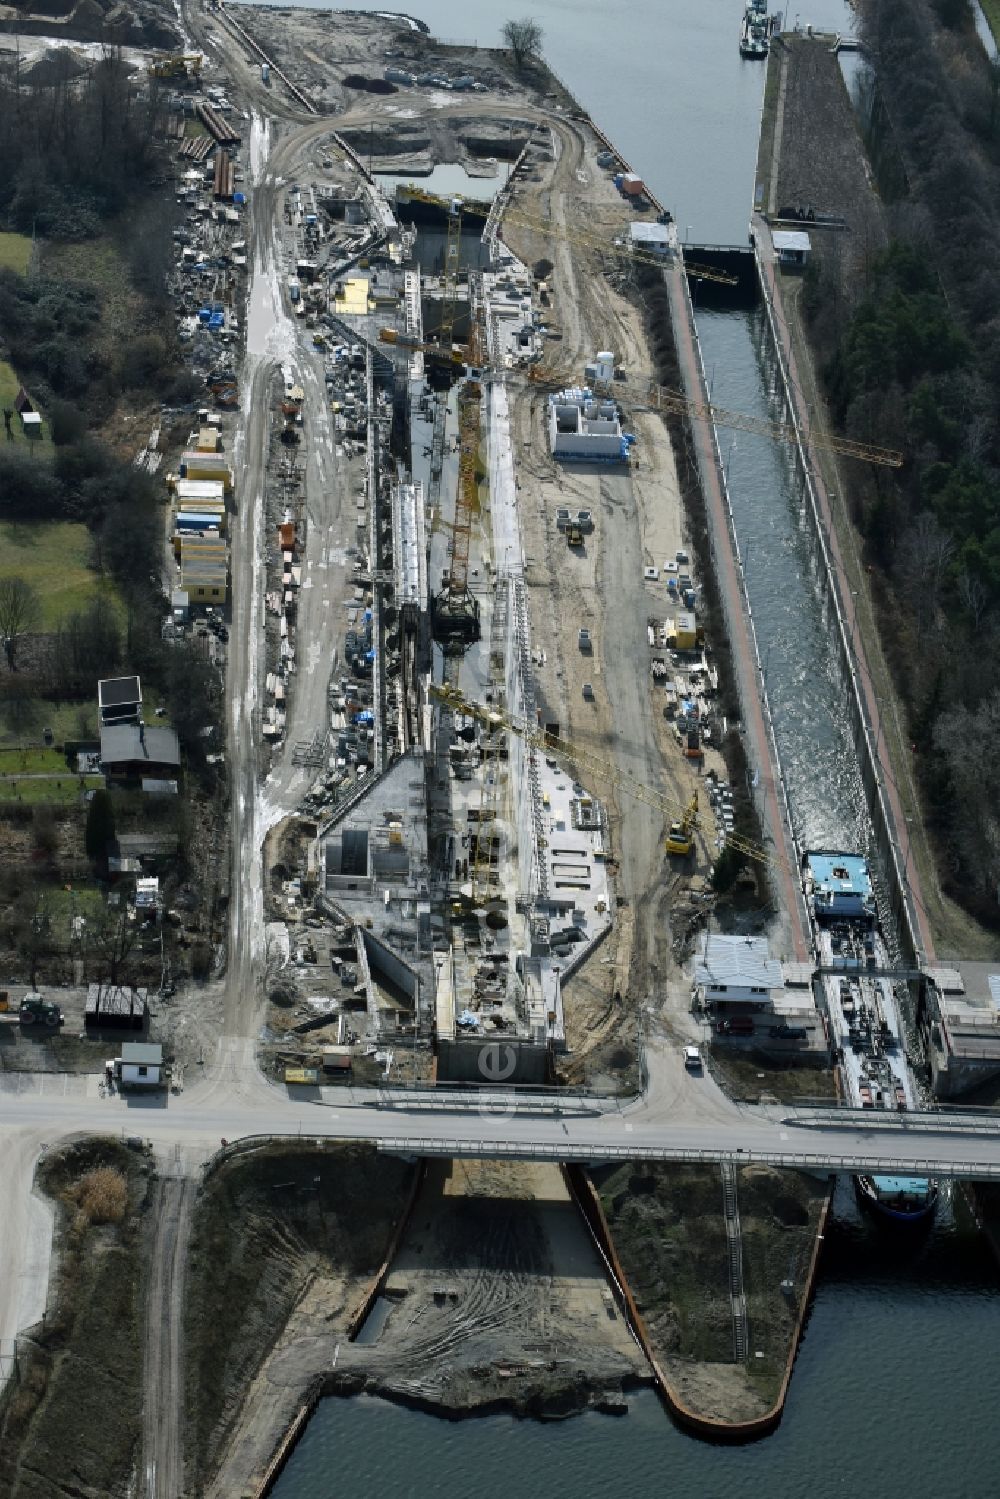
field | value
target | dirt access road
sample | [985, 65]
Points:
[163, 1390]
[639, 522]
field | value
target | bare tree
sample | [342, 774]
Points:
[924, 556]
[524, 40]
[113, 938]
[973, 596]
[20, 611]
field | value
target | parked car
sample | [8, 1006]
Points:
[737, 1025]
[692, 1059]
[585, 642]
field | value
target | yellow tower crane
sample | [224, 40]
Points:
[658, 397]
[518, 220]
[661, 398]
[553, 744]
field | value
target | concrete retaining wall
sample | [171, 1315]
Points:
[589, 1203]
[849, 650]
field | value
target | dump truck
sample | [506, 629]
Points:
[33, 1010]
[302, 1076]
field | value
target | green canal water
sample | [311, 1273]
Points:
[893, 1394]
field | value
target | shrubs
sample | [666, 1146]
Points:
[101, 1196]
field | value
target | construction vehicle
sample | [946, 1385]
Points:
[680, 839]
[33, 1010]
[516, 219]
[658, 397]
[176, 65]
[692, 745]
[553, 744]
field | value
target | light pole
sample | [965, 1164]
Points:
[854, 627]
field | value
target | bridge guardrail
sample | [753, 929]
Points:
[925, 1121]
[567, 1150]
[589, 1152]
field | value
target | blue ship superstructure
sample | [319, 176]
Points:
[866, 1028]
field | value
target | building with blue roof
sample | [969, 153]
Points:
[841, 887]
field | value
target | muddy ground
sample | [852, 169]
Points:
[284, 1242]
[668, 1228]
[339, 59]
[497, 1297]
[495, 1300]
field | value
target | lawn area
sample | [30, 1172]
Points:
[32, 761]
[33, 791]
[15, 252]
[52, 556]
[991, 10]
[82, 898]
[9, 387]
[70, 720]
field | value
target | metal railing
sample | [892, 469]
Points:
[595, 1152]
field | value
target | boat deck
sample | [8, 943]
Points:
[865, 1024]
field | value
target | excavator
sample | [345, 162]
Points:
[680, 839]
[546, 743]
[176, 65]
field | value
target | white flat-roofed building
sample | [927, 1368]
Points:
[653, 239]
[739, 970]
[584, 429]
[792, 246]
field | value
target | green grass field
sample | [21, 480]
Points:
[68, 720]
[52, 556]
[33, 791]
[47, 762]
[83, 898]
[15, 252]
[991, 10]
[9, 387]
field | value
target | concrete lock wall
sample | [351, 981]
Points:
[895, 888]
[384, 963]
[492, 1063]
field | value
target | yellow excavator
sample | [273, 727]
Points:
[176, 65]
[680, 839]
[585, 759]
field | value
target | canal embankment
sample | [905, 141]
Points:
[720, 1330]
[73, 1402]
[812, 159]
[286, 1242]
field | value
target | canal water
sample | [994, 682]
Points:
[893, 1388]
